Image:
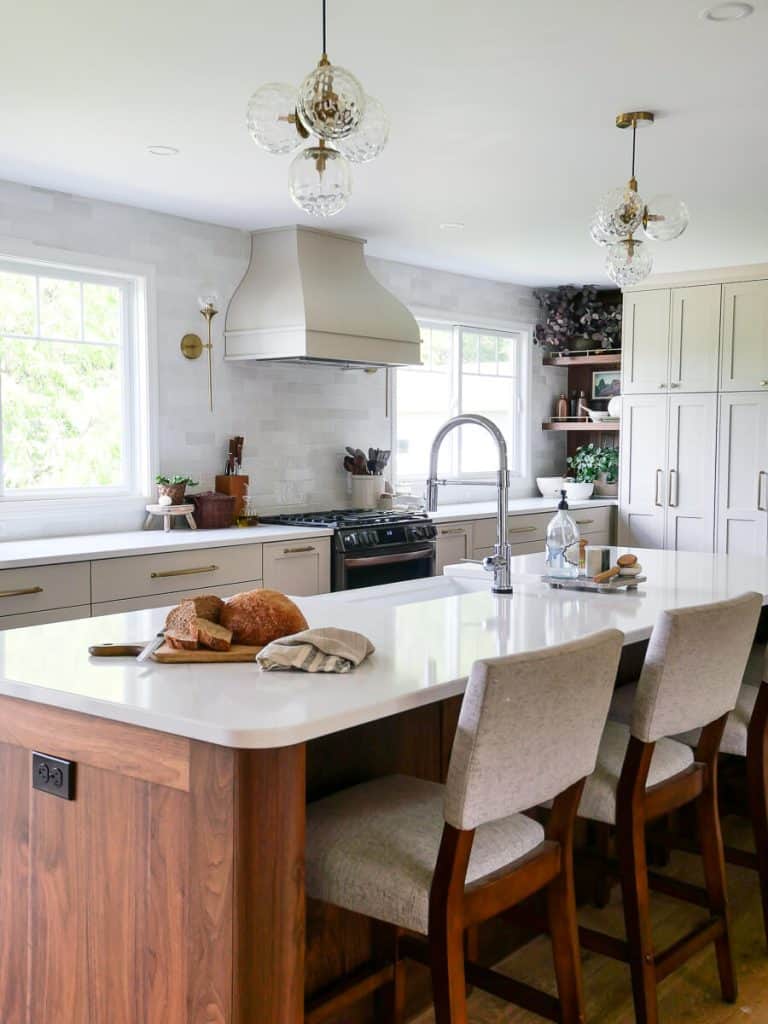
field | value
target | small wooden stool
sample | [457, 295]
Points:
[169, 513]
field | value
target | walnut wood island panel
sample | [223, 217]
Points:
[171, 888]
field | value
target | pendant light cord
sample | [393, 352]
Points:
[324, 44]
[634, 129]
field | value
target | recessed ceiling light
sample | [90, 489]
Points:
[163, 150]
[734, 10]
[452, 225]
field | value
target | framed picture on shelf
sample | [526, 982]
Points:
[606, 383]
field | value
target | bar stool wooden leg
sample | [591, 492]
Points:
[446, 927]
[389, 1001]
[564, 933]
[757, 786]
[630, 847]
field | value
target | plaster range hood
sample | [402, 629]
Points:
[308, 296]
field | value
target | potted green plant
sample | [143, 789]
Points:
[596, 465]
[174, 487]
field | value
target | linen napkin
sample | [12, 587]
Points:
[316, 650]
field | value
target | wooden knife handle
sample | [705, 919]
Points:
[603, 577]
[115, 650]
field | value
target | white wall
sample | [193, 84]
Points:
[296, 419]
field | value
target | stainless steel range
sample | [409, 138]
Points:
[372, 547]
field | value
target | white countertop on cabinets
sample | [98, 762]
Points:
[48, 550]
[516, 506]
[427, 635]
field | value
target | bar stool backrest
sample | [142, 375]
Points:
[694, 666]
[530, 727]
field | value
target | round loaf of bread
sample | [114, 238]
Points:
[257, 617]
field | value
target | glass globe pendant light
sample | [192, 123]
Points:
[330, 104]
[622, 212]
[320, 181]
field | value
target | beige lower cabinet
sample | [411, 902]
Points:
[454, 543]
[35, 594]
[298, 568]
[136, 604]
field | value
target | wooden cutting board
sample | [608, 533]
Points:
[238, 652]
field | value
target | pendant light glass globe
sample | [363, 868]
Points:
[370, 137]
[599, 236]
[620, 212]
[666, 218]
[628, 262]
[271, 118]
[320, 181]
[331, 102]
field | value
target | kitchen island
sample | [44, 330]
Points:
[171, 888]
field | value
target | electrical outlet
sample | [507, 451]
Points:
[53, 775]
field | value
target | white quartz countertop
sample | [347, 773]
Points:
[427, 635]
[18, 553]
[516, 507]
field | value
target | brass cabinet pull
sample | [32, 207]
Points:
[656, 502]
[584, 522]
[22, 592]
[764, 383]
[674, 488]
[458, 529]
[298, 551]
[760, 506]
[662, 385]
[522, 529]
[183, 572]
[674, 385]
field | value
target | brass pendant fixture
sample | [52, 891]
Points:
[331, 105]
[622, 212]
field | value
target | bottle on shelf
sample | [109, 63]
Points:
[574, 404]
[562, 545]
[562, 407]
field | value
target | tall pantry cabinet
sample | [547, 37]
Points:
[694, 433]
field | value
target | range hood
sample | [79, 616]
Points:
[308, 295]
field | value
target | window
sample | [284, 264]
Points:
[69, 401]
[464, 370]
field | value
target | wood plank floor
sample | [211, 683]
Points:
[690, 995]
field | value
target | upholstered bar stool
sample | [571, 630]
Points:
[434, 861]
[690, 680]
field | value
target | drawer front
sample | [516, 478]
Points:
[300, 568]
[522, 529]
[42, 587]
[531, 547]
[80, 611]
[114, 579]
[137, 604]
[593, 520]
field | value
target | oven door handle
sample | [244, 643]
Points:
[404, 556]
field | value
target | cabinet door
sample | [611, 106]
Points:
[642, 471]
[695, 338]
[742, 469]
[296, 568]
[745, 337]
[645, 345]
[690, 524]
[454, 542]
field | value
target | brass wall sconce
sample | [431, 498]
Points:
[192, 345]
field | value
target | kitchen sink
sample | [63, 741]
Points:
[413, 591]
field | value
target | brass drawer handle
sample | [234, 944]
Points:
[183, 572]
[299, 551]
[523, 529]
[764, 383]
[760, 506]
[584, 522]
[23, 592]
[458, 529]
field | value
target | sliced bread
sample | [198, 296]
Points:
[213, 636]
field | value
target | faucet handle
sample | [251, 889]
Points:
[492, 562]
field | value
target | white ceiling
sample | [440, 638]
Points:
[502, 118]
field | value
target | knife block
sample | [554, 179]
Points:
[237, 487]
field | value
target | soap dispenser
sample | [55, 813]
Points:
[562, 543]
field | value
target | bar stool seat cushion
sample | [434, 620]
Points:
[373, 848]
[734, 735]
[598, 802]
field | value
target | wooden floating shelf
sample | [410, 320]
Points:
[604, 359]
[588, 427]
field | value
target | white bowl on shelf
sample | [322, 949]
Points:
[578, 491]
[549, 486]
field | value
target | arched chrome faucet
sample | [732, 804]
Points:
[499, 562]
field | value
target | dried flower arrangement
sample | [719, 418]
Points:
[579, 318]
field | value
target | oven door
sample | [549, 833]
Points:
[373, 567]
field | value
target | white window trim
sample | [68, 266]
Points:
[525, 329]
[143, 438]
